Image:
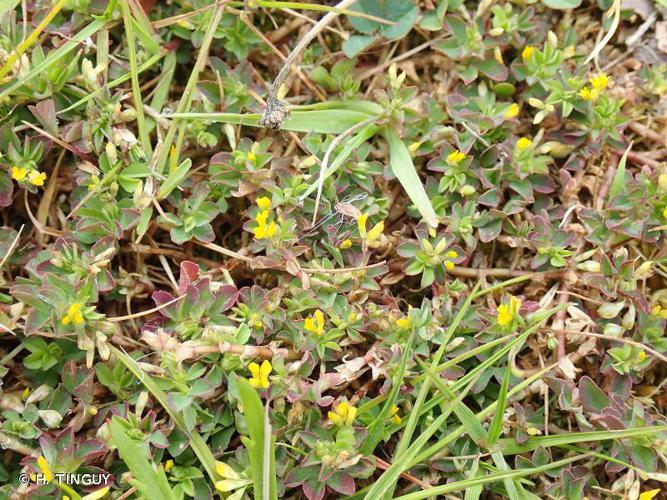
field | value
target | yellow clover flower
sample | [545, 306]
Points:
[315, 323]
[264, 230]
[404, 322]
[264, 203]
[371, 235]
[455, 157]
[512, 111]
[527, 52]
[587, 94]
[395, 417]
[508, 312]
[260, 374]
[524, 143]
[19, 173]
[600, 82]
[73, 315]
[231, 480]
[343, 414]
[37, 178]
[649, 495]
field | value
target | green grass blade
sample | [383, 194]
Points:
[404, 169]
[174, 179]
[496, 426]
[134, 72]
[475, 430]
[509, 446]
[490, 478]
[149, 482]
[618, 183]
[261, 453]
[54, 56]
[197, 443]
[30, 39]
[377, 428]
[113, 83]
[390, 476]
[188, 94]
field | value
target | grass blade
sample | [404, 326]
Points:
[619, 177]
[259, 443]
[149, 482]
[55, 56]
[401, 165]
[197, 443]
[377, 428]
[488, 479]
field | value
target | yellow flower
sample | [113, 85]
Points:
[527, 52]
[524, 143]
[345, 244]
[404, 322]
[449, 265]
[642, 356]
[600, 82]
[343, 414]
[664, 213]
[168, 465]
[315, 323]
[262, 217]
[507, 312]
[260, 374]
[587, 94]
[73, 315]
[373, 234]
[264, 230]
[395, 417]
[455, 157]
[452, 254]
[251, 156]
[225, 471]
[264, 203]
[512, 111]
[648, 495]
[45, 468]
[37, 178]
[19, 173]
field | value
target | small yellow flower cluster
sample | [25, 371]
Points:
[451, 254]
[373, 234]
[35, 177]
[260, 374]
[527, 52]
[455, 157]
[664, 213]
[73, 315]
[395, 418]
[508, 312]
[315, 323]
[404, 323]
[264, 228]
[523, 143]
[343, 414]
[255, 321]
[512, 111]
[231, 480]
[598, 84]
[659, 311]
